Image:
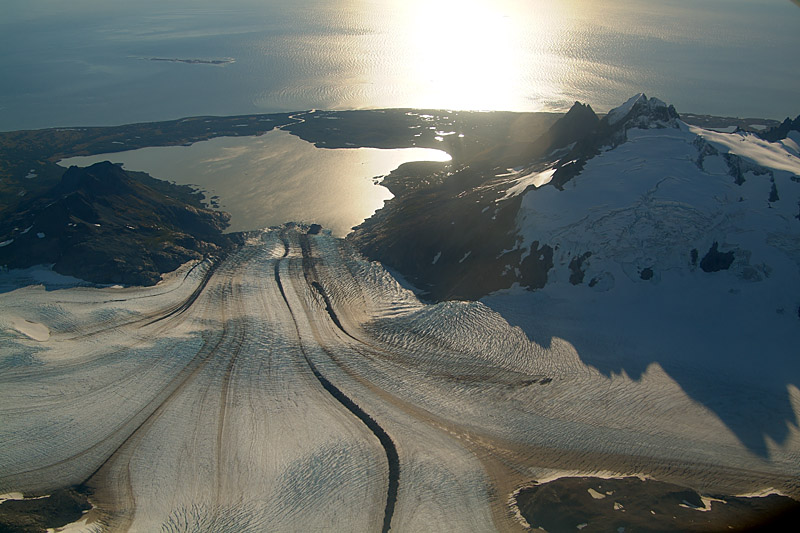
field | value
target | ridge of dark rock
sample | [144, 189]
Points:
[103, 225]
[579, 123]
[781, 132]
[638, 112]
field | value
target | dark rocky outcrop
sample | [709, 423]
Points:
[638, 112]
[453, 233]
[773, 193]
[36, 515]
[105, 225]
[576, 268]
[714, 260]
[781, 132]
[577, 125]
[631, 504]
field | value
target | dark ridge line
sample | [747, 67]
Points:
[196, 293]
[183, 375]
[310, 272]
[185, 277]
[329, 309]
[189, 373]
[386, 441]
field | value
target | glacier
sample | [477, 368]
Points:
[201, 403]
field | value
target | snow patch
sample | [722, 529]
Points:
[11, 496]
[34, 330]
[792, 143]
[618, 113]
[749, 146]
[537, 179]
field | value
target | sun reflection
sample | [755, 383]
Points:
[479, 54]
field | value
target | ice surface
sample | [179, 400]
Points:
[748, 145]
[196, 405]
[34, 330]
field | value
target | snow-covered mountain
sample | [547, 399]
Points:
[646, 241]
[639, 189]
[662, 196]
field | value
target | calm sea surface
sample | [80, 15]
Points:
[97, 62]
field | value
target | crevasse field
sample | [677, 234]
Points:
[298, 387]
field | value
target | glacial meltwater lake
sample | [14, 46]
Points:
[276, 177]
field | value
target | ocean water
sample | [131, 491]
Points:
[95, 62]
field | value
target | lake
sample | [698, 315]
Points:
[87, 62]
[276, 177]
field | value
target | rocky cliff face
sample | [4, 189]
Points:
[104, 225]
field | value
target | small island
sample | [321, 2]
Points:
[193, 61]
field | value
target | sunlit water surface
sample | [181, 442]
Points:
[277, 177]
[87, 62]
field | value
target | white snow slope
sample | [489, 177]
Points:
[226, 400]
[643, 216]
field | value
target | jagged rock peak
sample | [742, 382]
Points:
[580, 115]
[640, 111]
[579, 109]
[781, 132]
[579, 122]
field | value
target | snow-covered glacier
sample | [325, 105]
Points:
[295, 386]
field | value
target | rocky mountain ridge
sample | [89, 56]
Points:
[658, 187]
[106, 225]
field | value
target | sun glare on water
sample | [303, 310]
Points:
[475, 54]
